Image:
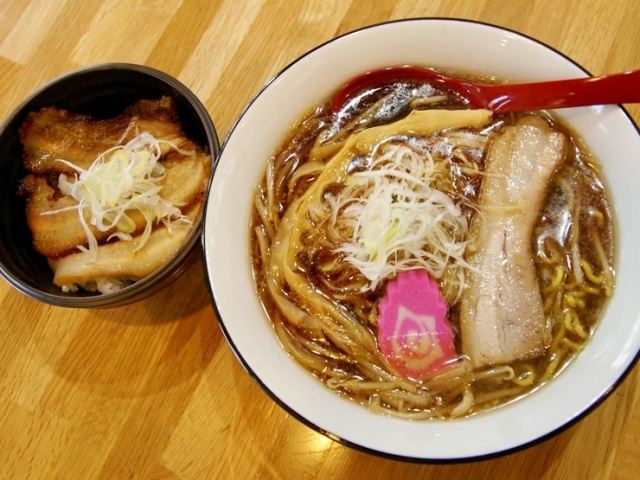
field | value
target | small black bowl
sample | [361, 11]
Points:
[103, 91]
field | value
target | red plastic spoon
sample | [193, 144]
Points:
[608, 89]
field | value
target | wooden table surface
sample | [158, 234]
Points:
[151, 390]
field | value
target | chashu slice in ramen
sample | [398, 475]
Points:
[502, 317]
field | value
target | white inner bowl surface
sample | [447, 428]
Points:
[448, 44]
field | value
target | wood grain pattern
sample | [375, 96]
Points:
[151, 390]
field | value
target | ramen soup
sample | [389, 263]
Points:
[428, 260]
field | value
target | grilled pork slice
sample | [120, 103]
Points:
[119, 261]
[502, 317]
[59, 234]
[53, 133]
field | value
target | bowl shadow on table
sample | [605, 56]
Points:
[529, 464]
[148, 347]
[547, 459]
[325, 457]
[185, 296]
[91, 360]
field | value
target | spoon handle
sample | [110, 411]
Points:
[605, 90]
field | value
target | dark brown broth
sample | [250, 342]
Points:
[578, 170]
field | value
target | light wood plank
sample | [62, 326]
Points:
[151, 390]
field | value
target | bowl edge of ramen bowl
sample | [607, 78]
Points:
[444, 43]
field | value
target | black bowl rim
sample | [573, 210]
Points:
[171, 269]
[301, 418]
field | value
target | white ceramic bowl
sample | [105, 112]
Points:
[449, 44]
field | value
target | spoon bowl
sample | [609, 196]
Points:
[504, 98]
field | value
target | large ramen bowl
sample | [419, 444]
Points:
[448, 44]
[102, 91]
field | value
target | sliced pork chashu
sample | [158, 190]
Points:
[120, 260]
[56, 235]
[502, 317]
[53, 133]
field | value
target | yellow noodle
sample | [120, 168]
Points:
[556, 358]
[504, 371]
[307, 359]
[571, 344]
[570, 285]
[527, 378]
[453, 373]
[569, 301]
[424, 415]
[568, 319]
[306, 170]
[542, 256]
[408, 399]
[588, 271]
[470, 171]
[499, 394]
[557, 280]
[361, 384]
[322, 152]
[597, 214]
[263, 243]
[589, 289]
[269, 176]
[467, 403]
[579, 329]
[557, 338]
[263, 211]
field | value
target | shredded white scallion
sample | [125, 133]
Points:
[122, 179]
[398, 220]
